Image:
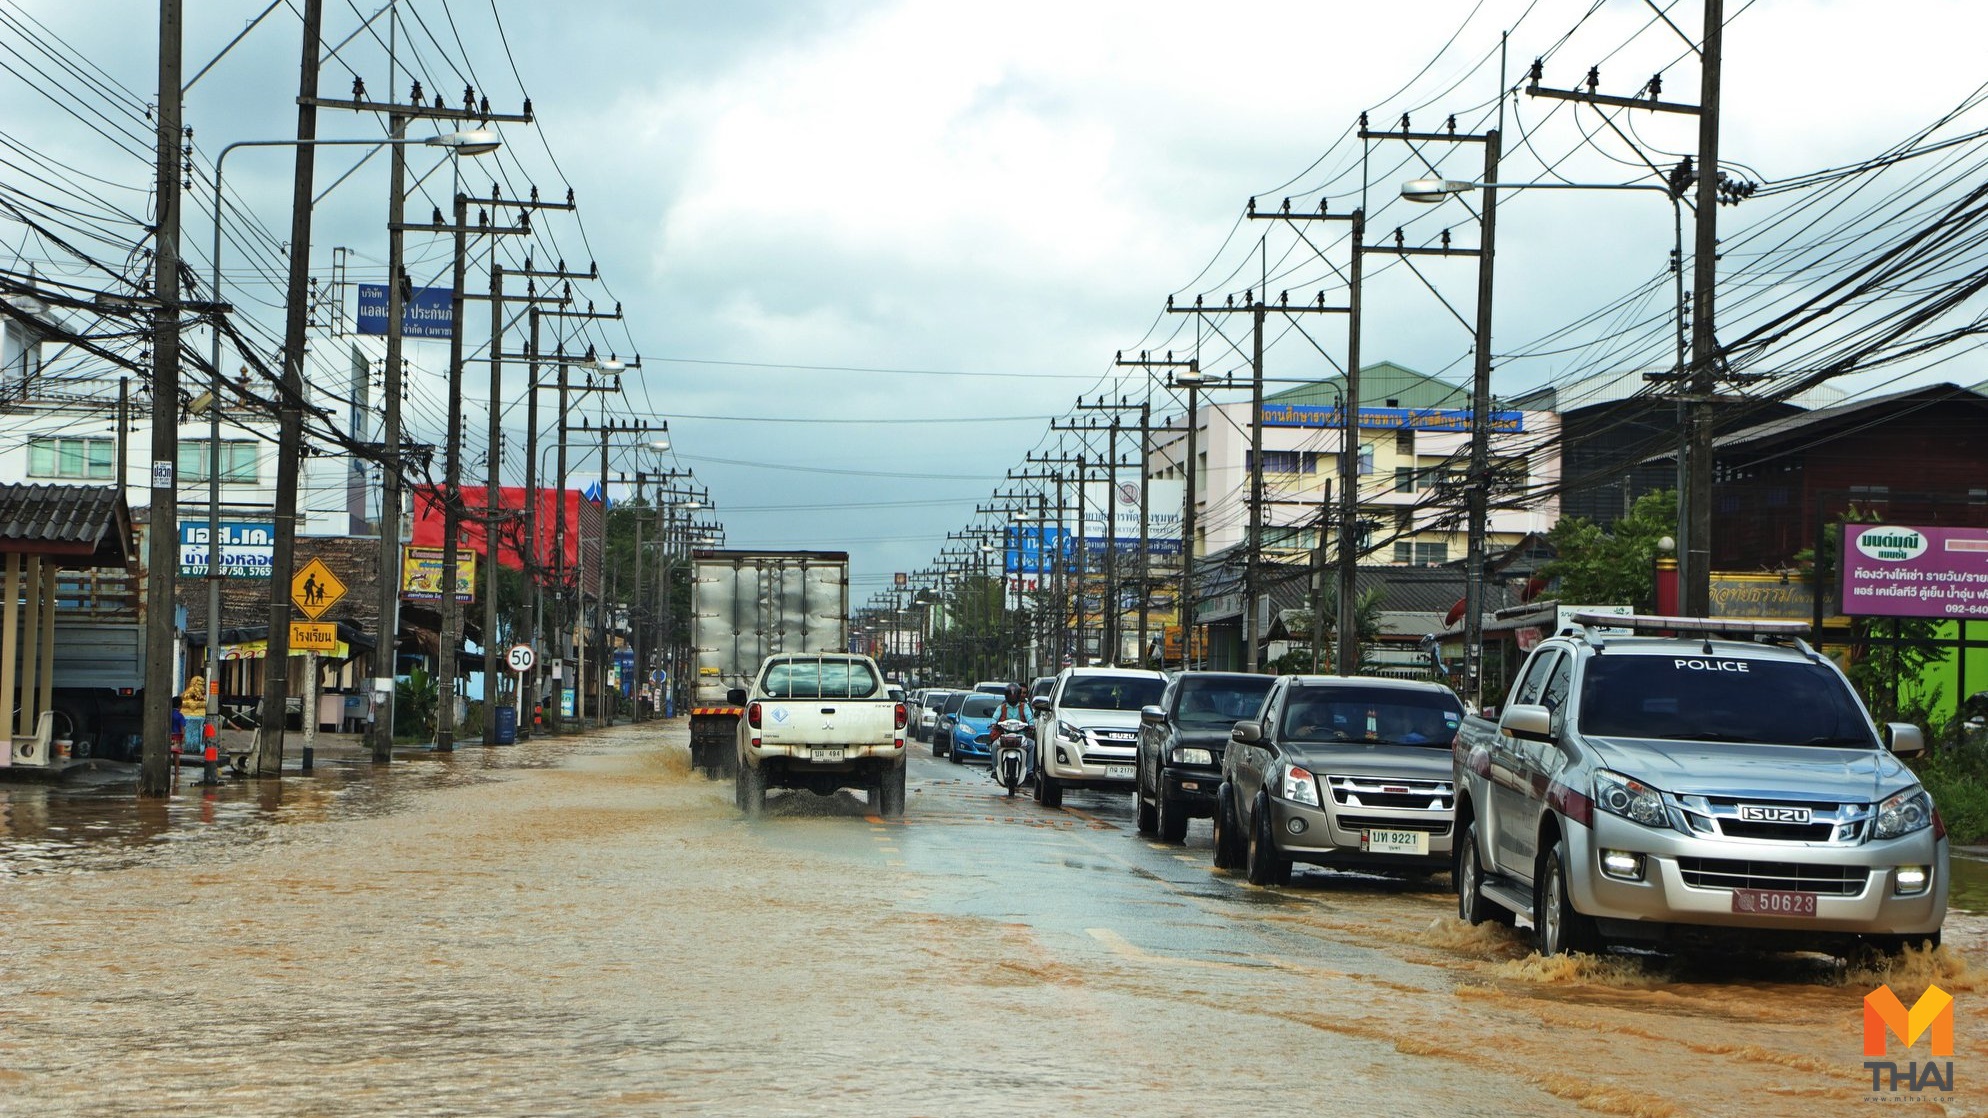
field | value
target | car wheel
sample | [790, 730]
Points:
[1225, 831]
[1264, 866]
[1471, 906]
[1148, 815]
[751, 785]
[1048, 790]
[1561, 928]
[1170, 816]
[889, 801]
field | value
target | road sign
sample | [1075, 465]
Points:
[314, 636]
[315, 589]
[520, 657]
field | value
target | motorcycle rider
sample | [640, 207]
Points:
[1014, 704]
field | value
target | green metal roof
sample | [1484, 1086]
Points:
[1382, 384]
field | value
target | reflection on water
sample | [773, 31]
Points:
[1970, 884]
[99, 822]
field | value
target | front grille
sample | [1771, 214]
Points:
[1109, 759]
[1405, 795]
[980, 739]
[1784, 832]
[1732, 873]
[1122, 738]
[1376, 823]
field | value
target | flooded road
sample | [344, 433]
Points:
[586, 928]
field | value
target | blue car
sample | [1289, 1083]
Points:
[969, 730]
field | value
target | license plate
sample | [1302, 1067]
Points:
[1773, 902]
[1120, 772]
[1397, 842]
[824, 755]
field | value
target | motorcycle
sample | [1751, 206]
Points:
[1011, 753]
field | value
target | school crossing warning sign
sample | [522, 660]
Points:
[314, 589]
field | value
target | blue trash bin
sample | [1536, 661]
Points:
[507, 725]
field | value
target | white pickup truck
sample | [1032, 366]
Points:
[820, 721]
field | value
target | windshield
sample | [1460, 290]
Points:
[979, 706]
[1220, 703]
[1371, 716]
[1721, 698]
[1111, 692]
[820, 679]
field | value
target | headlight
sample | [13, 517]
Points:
[1193, 757]
[1630, 798]
[1909, 811]
[1070, 733]
[1300, 787]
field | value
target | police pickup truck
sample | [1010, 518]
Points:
[820, 721]
[1677, 782]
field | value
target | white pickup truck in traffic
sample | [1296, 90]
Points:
[823, 722]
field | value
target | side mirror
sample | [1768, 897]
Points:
[1905, 738]
[736, 696]
[1152, 716]
[1534, 723]
[1247, 732]
[1040, 704]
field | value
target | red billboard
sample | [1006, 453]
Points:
[583, 531]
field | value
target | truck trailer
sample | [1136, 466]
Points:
[744, 607]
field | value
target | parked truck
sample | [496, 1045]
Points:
[746, 606]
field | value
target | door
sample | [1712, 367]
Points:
[1510, 814]
[1538, 763]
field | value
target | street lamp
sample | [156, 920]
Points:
[1435, 190]
[478, 141]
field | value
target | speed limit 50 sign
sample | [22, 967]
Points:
[520, 658]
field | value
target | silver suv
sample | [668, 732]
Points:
[1088, 732]
[1336, 771]
[1641, 786]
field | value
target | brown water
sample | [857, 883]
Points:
[590, 929]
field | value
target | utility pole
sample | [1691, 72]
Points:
[1346, 627]
[1700, 392]
[529, 549]
[393, 460]
[1257, 309]
[493, 670]
[452, 503]
[1114, 617]
[290, 420]
[1184, 599]
[1478, 484]
[162, 540]
[1084, 464]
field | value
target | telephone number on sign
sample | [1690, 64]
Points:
[1968, 609]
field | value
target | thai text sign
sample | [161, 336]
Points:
[1416, 419]
[248, 548]
[1894, 571]
[427, 315]
[421, 575]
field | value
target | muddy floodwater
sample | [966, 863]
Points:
[585, 927]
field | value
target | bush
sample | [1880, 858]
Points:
[1957, 776]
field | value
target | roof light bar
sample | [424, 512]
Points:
[1644, 622]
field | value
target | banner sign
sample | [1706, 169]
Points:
[1414, 419]
[1163, 508]
[427, 315]
[1895, 571]
[421, 574]
[248, 548]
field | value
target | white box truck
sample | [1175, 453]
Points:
[744, 607]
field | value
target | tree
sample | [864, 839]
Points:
[1613, 566]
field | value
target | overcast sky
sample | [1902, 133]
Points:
[924, 228]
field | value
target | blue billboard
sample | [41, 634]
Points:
[427, 315]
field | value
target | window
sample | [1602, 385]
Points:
[1280, 461]
[1371, 714]
[1421, 554]
[238, 460]
[1366, 459]
[1404, 441]
[822, 679]
[72, 458]
[1404, 479]
[1404, 519]
[1535, 678]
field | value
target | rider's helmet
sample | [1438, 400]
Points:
[1014, 693]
